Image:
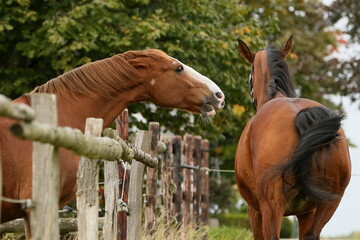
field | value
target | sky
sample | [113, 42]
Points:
[346, 217]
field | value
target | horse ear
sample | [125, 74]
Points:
[288, 46]
[245, 52]
[138, 62]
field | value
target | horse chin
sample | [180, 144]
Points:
[209, 111]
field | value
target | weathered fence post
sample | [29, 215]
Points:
[111, 192]
[122, 126]
[45, 180]
[177, 179]
[166, 181]
[151, 181]
[88, 187]
[188, 153]
[197, 179]
[142, 141]
[0, 180]
[204, 218]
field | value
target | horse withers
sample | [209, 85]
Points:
[101, 89]
[292, 157]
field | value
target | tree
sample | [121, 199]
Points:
[42, 40]
[347, 77]
[313, 75]
[313, 41]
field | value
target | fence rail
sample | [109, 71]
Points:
[16, 111]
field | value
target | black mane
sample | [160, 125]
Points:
[280, 80]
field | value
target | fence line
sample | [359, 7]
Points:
[59, 137]
[189, 205]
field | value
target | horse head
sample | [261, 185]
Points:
[172, 84]
[270, 76]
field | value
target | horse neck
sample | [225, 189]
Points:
[264, 98]
[73, 111]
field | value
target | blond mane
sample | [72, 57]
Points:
[104, 77]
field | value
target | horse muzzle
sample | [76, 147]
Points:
[213, 103]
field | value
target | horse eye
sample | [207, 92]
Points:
[179, 69]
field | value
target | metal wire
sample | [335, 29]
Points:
[10, 200]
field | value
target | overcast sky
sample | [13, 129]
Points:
[346, 218]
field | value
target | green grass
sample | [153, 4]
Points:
[229, 233]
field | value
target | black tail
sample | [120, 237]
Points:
[318, 128]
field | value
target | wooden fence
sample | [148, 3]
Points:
[184, 179]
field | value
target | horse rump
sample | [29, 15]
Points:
[318, 130]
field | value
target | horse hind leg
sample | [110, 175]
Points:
[313, 222]
[271, 221]
[306, 226]
[256, 223]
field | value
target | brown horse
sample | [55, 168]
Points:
[292, 157]
[102, 89]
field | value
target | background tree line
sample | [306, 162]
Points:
[41, 40]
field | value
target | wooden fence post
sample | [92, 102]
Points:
[151, 181]
[88, 187]
[45, 180]
[204, 218]
[122, 126]
[197, 180]
[177, 179]
[188, 153]
[166, 181]
[111, 192]
[142, 141]
[1, 184]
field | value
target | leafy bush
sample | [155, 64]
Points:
[286, 228]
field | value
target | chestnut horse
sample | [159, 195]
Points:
[292, 157]
[102, 89]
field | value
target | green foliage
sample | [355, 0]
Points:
[313, 40]
[223, 195]
[40, 40]
[346, 71]
[286, 228]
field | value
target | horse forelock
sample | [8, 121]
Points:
[104, 77]
[280, 80]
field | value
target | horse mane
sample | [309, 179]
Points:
[280, 80]
[105, 77]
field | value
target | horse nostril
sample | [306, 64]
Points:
[219, 95]
[223, 104]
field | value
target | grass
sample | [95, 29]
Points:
[229, 233]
